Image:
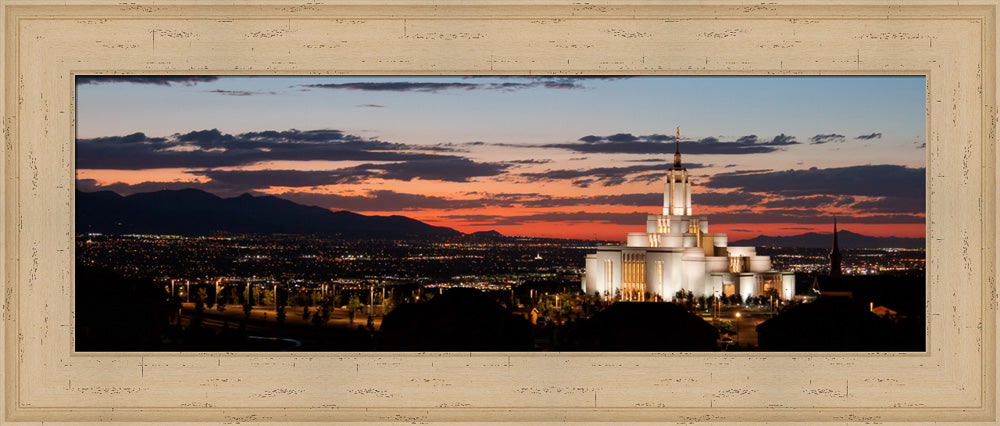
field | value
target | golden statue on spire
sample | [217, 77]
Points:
[677, 145]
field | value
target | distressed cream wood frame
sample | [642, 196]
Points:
[47, 42]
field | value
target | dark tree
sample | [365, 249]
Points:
[118, 314]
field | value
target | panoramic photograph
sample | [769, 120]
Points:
[500, 213]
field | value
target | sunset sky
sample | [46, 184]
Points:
[575, 157]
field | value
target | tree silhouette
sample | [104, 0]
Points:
[353, 304]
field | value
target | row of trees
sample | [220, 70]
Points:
[766, 300]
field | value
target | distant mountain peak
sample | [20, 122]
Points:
[196, 212]
[847, 239]
[486, 234]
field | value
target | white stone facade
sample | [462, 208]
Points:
[678, 253]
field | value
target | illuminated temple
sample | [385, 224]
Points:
[677, 252]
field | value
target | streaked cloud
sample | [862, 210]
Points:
[627, 143]
[516, 83]
[801, 202]
[158, 80]
[604, 176]
[811, 216]
[213, 149]
[565, 217]
[867, 180]
[870, 136]
[240, 92]
[827, 138]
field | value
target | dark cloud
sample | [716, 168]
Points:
[212, 149]
[892, 204]
[545, 82]
[649, 177]
[370, 106]
[158, 80]
[530, 161]
[723, 199]
[235, 182]
[442, 147]
[868, 180]
[395, 86]
[627, 143]
[871, 136]
[645, 160]
[451, 169]
[240, 92]
[844, 201]
[621, 137]
[260, 179]
[781, 140]
[442, 169]
[832, 137]
[801, 202]
[385, 200]
[217, 188]
[584, 217]
[549, 77]
[809, 216]
[653, 199]
[606, 176]
[382, 201]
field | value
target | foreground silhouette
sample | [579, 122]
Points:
[460, 319]
[644, 326]
[115, 313]
[834, 323]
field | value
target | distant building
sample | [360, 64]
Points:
[834, 284]
[835, 269]
[678, 253]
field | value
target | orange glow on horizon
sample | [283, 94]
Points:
[596, 230]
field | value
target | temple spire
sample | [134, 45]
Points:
[677, 152]
[835, 253]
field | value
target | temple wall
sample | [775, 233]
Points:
[760, 263]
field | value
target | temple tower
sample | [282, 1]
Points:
[677, 188]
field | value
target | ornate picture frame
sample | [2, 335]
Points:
[46, 45]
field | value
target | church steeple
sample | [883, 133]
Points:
[835, 253]
[677, 152]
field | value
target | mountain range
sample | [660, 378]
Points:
[846, 239]
[196, 212]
